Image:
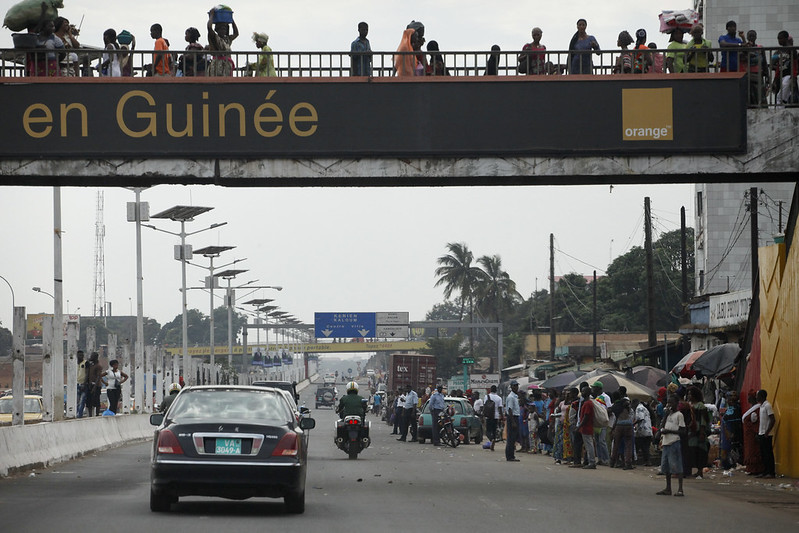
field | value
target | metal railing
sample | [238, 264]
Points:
[84, 62]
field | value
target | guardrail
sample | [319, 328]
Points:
[85, 62]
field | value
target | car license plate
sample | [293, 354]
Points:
[228, 446]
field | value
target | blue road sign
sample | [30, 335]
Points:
[344, 325]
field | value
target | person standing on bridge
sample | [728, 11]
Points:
[361, 53]
[220, 41]
[265, 67]
[162, 61]
[113, 380]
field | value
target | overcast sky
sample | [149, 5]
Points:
[335, 249]
[332, 25]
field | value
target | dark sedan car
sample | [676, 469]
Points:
[232, 442]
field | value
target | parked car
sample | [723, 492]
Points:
[289, 386]
[465, 421]
[229, 441]
[326, 396]
[32, 408]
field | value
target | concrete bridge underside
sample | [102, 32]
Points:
[772, 155]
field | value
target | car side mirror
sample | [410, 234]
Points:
[156, 419]
[307, 423]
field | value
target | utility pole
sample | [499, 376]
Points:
[650, 278]
[686, 316]
[755, 242]
[593, 287]
[552, 296]
[684, 265]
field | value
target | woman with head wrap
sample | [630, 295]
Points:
[265, 65]
[580, 47]
[643, 60]
[404, 62]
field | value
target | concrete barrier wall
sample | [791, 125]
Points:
[48, 443]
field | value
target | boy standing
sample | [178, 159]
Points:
[161, 58]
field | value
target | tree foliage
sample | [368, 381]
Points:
[488, 292]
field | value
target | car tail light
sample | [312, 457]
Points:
[288, 445]
[421, 418]
[464, 422]
[168, 443]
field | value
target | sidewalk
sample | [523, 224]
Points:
[781, 493]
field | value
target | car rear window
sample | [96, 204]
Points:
[264, 406]
[30, 405]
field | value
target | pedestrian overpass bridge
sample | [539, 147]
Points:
[263, 132]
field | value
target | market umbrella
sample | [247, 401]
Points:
[559, 381]
[652, 377]
[685, 365]
[717, 361]
[611, 382]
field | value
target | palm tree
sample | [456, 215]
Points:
[457, 274]
[496, 290]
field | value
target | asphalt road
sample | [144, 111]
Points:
[393, 486]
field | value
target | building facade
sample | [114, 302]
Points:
[766, 17]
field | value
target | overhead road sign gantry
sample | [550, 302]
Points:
[344, 325]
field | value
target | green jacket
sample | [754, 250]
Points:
[351, 404]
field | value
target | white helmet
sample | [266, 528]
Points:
[175, 387]
[352, 386]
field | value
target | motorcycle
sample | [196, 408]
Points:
[448, 434]
[352, 435]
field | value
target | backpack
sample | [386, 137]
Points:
[600, 415]
[489, 408]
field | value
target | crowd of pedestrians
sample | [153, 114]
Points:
[736, 52]
[584, 427]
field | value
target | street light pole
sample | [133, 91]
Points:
[184, 214]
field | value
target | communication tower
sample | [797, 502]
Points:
[98, 308]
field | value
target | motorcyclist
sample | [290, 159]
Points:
[351, 404]
[174, 389]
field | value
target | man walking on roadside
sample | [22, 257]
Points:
[512, 424]
[83, 390]
[586, 428]
[436, 407]
[764, 436]
[399, 415]
[411, 401]
[601, 435]
[492, 411]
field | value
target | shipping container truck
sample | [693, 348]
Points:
[414, 369]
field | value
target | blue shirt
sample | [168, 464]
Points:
[437, 401]
[411, 399]
[512, 404]
[361, 65]
[729, 60]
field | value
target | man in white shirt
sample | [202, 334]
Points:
[764, 436]
[411, 401]
[492, 416]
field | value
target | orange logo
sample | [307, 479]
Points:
[647, 115]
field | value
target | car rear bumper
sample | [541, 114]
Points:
[230, 479]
